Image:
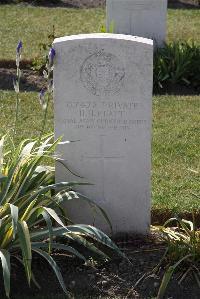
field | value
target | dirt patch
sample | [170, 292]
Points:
[184, 4]
[160, 216]
[30, 80]
[33, 81]
[115, 279]
[177, 90]
[97, 3]
[84, 3]
[61, 3]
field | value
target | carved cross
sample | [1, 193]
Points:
[104, 158]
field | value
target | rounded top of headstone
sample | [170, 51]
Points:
[124, 37]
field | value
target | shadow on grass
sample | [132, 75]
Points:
[183, 4]
[177, 90]
[59, 3]
[174, 4]
[30, 80]
[160, 216]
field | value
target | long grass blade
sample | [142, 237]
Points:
[48, 221]
[97, 234]
[54, 266]
[5, 262]
[54, 215]
[14, 214]
[83, 197]
[59, 246]
[25, 244]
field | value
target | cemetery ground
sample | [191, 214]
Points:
[175, 158]
[34, 24]
[174, 185]
[175, 145]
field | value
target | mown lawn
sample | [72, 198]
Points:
[183, 24]
[176, 144]
[175, 157]
[34, 24]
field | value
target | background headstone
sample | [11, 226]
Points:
[146, 18]
[103, 99]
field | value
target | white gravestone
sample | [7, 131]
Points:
[146, 18]
[103, 100]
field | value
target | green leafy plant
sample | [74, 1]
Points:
[177, 63]
[182, 253]
[39, 63]
[31, 214]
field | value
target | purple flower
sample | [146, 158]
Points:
[52, 54]
[42, 93]
[19, 47]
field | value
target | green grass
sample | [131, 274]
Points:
[183, 24]
[175, 158]
[31, 115]
[176, 143]
[33, 24]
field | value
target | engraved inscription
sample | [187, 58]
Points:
[104, 115]
[102, 74]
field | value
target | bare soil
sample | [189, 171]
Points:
[30, 80]
[33, 81]
[115, 279]
[184, 4]
[95, 3]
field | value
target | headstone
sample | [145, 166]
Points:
[103, 99]
[146, 18]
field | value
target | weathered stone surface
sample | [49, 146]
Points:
[146, 18]
[103, 98]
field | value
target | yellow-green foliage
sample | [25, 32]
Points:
[28, 199]
[183, 251]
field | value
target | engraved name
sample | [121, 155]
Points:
[103, 115]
